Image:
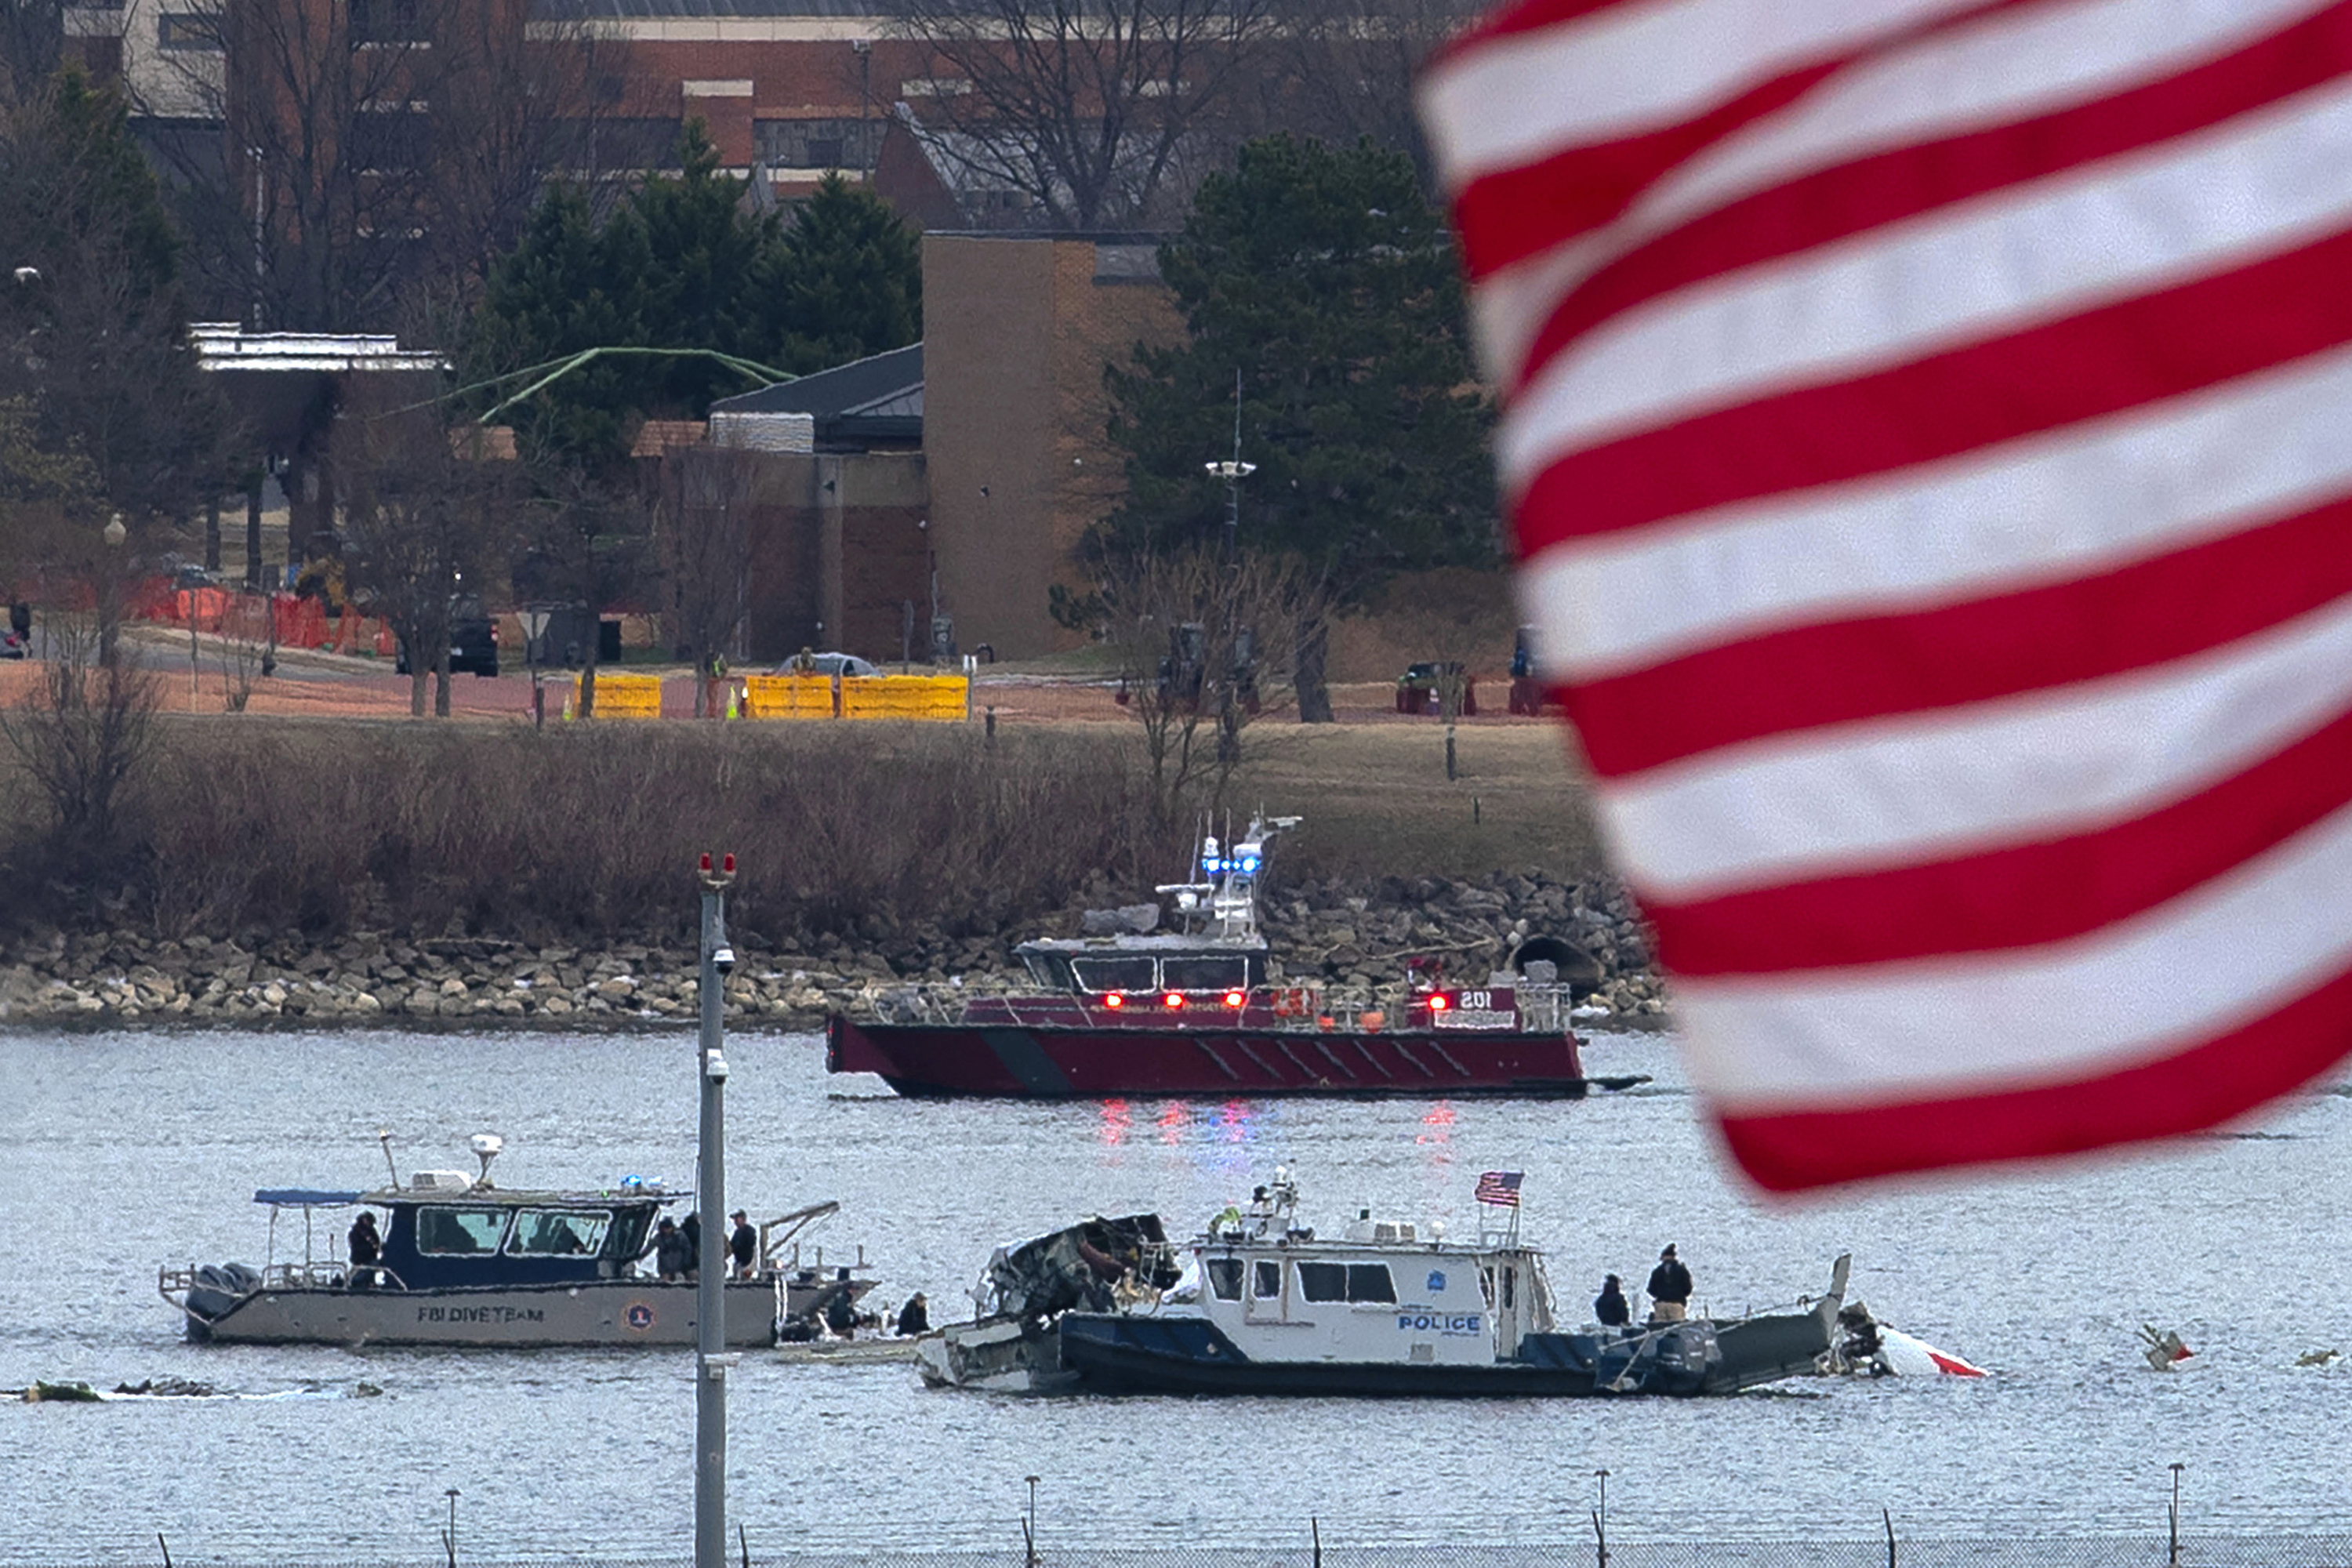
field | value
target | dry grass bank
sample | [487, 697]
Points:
[255, 824]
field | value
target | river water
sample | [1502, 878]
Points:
[124, 1151]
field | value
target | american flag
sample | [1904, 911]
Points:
[1500, 1188]
[1926, 439]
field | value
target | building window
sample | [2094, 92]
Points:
[187, 30]
[388, 21]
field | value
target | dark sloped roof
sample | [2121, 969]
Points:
[880, 383]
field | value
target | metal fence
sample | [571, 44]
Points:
[2262, 1551]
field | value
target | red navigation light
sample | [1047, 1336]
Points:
[1232, 998]
[706, 862]
[728, 865]
[1437, 1001]
[1173, 999]
[1114, 1000]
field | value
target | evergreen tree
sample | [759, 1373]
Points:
[846, 277]
[701, 289]
[685, 263]
[104, 361]
[1326, 281]
[565, 288]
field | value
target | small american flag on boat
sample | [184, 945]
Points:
[1500, 1188]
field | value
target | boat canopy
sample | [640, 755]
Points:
[303, 1197]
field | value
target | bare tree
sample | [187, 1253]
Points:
[1201, 646]
[587, 545]
[1091, 110]
[423, 512]
[705, 548]
[32, 45]
[83, 736]
[1342, 71]
[375, 147]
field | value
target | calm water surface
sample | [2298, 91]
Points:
[122, 1151]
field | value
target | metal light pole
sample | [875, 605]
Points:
[1234, 472]
[1029, 1525]
[712, 1359]
[2172, 1553]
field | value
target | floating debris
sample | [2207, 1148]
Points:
[60, 1394]
[2319, 1358]
[167, 1388]
[2164, 1349]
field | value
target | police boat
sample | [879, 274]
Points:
[463, 1261]
[1260, 1304]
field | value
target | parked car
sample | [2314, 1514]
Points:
[827, 664]
[1416, 688]
[473, 640]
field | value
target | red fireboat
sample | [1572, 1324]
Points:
[1197, 1012]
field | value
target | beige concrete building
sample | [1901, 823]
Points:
[1017, 330]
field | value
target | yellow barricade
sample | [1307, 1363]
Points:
[623, 696]
[933, 696]
[788, 697]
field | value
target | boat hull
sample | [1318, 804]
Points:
[1124, 1353]
[1061, 1062]
[593, 1313]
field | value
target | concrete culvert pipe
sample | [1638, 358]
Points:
[1574, 967]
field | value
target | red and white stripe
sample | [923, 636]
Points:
[1930, 436]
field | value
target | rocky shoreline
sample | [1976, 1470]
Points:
[1352, 937]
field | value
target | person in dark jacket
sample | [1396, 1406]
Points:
[1609, 1308]
[841, 1308]
[743, 1245]
[1670, 1288]
[915, 1317]
[366, 1250]
[692, 1231]
[669, 1251]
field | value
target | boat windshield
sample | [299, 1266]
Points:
[1346, 1282]
[541, 1233]
[1221, 973]
[1129, 972]
[459, 1230]
[1225, 1277]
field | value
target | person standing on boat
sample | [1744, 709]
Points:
[366, 1250]
[692, 1230]
[1670, 1288]
[1609, 1308]
[914, 1317]
[669, 1251]
[744, 1247]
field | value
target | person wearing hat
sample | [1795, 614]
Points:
[743, 1245]
[1609, 1308]
[1670, 1288]
[914, 1317]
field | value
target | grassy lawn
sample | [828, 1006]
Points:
[1376, 798]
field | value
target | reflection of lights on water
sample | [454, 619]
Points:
[1172, 1121]
[1117, 1118]
[1235, 1119]
[1438, 1130]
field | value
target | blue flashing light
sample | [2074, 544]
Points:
[1249, 863]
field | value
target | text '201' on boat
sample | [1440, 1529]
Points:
[1200, 1011]
[1259, 1304]
[464, 1262]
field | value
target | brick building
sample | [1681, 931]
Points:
[1018, 329]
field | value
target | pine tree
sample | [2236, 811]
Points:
[847, 278]
[1325, 280]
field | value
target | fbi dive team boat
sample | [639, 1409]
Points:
[1258, 1304]
[1200, 1011]
[465, 1262]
